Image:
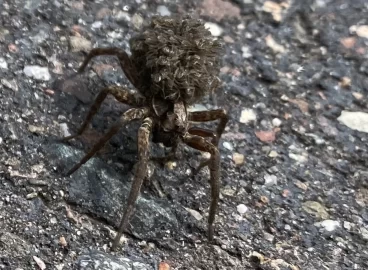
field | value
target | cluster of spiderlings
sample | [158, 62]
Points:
[176, 58]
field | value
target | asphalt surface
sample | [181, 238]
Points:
[294, 187]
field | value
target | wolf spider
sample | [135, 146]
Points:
[166, 118]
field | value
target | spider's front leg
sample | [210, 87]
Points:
[124, 60]
[201, 144]
[121, 94]
[140, 174]
[128, 116]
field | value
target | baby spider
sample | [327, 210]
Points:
[174, 63]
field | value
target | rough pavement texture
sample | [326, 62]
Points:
[294, 182]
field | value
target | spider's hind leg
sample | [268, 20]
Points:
[201, 144]
[206, 116]
[206, 133]
[120, 93]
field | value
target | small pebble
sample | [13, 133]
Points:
[242, 208]
[347, 225]
[3, 63]
[299, 158]
[345, 82]
[78, 43]
[273, 154]
[301, 185]
[264, 199]
[228, 146]
[315, 208]
[238, 158]
[12, 48]
[357, 95]
[40, 263]
[170, 165]
[355, 120]
[122, 16]
[247, 115]
[163, 10]
[277, 48]
[266, 135]
[246, 52]
[276, 122]
[240, 26]
[228, 39]
[35, 129]
[364, 233]
[329, 225]
[214, 28]
[269, 237]
[164, 266]
[62, 241]
[10, 84]
[37, 72]
[361, 30]
[31, 195]
[270, 180]
[194, 213]
[64, 129]
[96, 25]
[137, 21]
[53, 220]
[285, 193]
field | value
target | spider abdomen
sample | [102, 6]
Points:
[177, 59]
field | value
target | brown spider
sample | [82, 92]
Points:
[174, 63]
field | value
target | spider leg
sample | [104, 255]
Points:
[129, 115]
[121, 94]
[201, 144]
[124, 60]
[140, 174]
[206, 116]
[202, 132]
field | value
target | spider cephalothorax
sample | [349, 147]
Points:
[174, 63]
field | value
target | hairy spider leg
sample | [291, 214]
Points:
[201, 144]
[128, 116]
[121, 94]
[124, 60]
[140, 174]
[203, 132]
[206, 116]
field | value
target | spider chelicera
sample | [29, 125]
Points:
[174, 63]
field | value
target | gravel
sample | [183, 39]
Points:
[294, 186]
